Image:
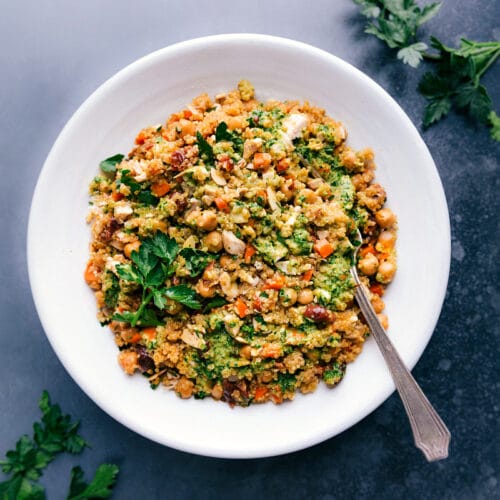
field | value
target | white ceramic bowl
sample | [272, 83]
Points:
[147, 92]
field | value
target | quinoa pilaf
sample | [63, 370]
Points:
[221, 263]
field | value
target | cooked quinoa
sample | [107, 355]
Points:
[219, 260]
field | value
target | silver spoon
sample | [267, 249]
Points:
[430, 433]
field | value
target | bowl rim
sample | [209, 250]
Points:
[136, 66]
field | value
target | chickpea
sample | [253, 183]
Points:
[217, 391]
[246, 352]
[377, 304]
[288, 296]
[184, 388]
[387, 239]
[207, 220]
[384, 321]
[227, 262]
[368, 265]
[305, 296]
[204, 289]
[287, 190]
[385, 218]
[213, 241]
[306, 195]
[131, 247]
[386, 272]
[128, 361]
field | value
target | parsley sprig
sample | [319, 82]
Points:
[100, 487]
[54, 434]
[151, 266]
[396, 22]
[456, 81]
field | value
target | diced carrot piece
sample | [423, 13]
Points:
[150, 332]
[222, 204]
[160, 188]
[261, 160]
[276, 283]
[241, 308]
[135, 338]
[91, 276]
[308, 275]
[262, 194]
[260, 392]
[377, 289]
[117, 196]
[257, 304]
[187, 113]
[249, 253]
[283, 164]
[366, 250]
[141, 138]
[271, 351]
[324, 248]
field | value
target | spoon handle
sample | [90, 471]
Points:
[429, 431]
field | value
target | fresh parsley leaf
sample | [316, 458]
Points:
[112, 290]
[456, 81]
[100, 487]
[134, 186]
[215, 302]
[196, 260]
[412, 55]
[395, 22]
[147, 197]
[149, 318]
[495, 126]
[435, 110]
[369, 8]
[205, 150]
[475, 100]
[184, 295]
[162, 246]
[126, 317]
[109, 164]
[55, 433]
[129, 273]
[222, 134]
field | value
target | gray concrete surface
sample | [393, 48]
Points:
[54, 54]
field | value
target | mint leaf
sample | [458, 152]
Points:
[184, 295]
[100, 487]
[109, 164]
[196, 260]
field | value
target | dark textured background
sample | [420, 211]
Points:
[54, 54]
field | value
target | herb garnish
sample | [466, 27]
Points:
[205, 150]
[196, 260]
[222, 134]
[456, 81]
[55, 433]
[396, 22]
[150, 267]
[109, 164]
